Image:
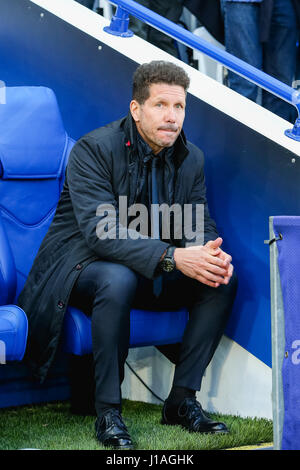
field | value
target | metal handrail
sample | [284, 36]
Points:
[119, 26]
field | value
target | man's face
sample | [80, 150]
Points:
[160, 118]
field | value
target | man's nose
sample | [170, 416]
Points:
[170, 115]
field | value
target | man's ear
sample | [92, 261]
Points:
[135, 110]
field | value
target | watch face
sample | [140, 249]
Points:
[168, 265]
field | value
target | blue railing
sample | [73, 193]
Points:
[119, 26]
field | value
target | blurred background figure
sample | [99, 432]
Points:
[170, 9]
[209, 14]
[87, 3]
[265, 34]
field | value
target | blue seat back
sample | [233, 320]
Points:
[34, 148]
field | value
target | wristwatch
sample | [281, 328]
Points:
[168, 263]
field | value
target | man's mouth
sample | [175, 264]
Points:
[171, 129]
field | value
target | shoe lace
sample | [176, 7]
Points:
[192, 410]
[115, 420]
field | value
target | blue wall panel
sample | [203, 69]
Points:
[249, 177]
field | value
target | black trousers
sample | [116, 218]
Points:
[107, 291]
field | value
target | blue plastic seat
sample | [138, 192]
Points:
[34, 149]
[33, 154]
[13, 333]
[13, 320]
[147, 328]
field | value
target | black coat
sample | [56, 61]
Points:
[102, 165]
[297, 10]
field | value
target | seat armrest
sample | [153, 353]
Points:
[8, 275]
[13, 333]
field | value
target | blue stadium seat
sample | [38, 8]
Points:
[146, 328]
[13, 333]
[34, 149]
[33, 154]
[13, 320]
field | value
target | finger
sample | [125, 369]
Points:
[220, 271]
[214, 251]
[229, 275]
[216, 260]
[210, 276]
[214, 243]
[207, 282]
[225, 256]
[230, 270]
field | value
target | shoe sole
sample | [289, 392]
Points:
[123, 447]
[189, 430]
[116, 447]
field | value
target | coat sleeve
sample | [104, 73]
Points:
[89, 182]
[199, 228]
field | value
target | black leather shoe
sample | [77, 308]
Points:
[111, 430]
[191, 416]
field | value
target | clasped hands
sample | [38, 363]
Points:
[208, 263]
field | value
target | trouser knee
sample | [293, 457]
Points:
[116, 284]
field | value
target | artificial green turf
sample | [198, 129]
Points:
[53, 427]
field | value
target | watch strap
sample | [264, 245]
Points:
[170, 252]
